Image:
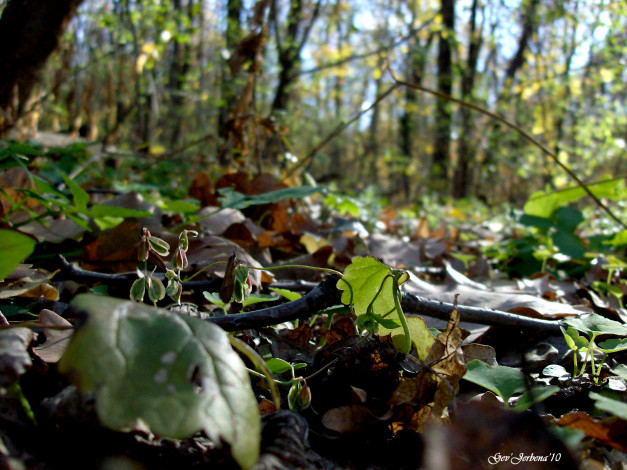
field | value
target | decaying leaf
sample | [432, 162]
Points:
[436, 384]
[14, 358]
[56, 339]
[474, 293]
[33, 285]
[611, 431]
[173, 374]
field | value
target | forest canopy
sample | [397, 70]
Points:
[272, 84]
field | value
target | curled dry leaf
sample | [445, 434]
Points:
[33, 285]
[611, 431]
[351, 418]
[56, 339]
[435, 385]
[14, 358]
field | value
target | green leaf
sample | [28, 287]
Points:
[175, 374]
[568, 218]
[569, 244]
[619, 239]
[288, 294]
[420, 336]
[278, 366]
[366, 277]
[613, 345]
[574, 340]
[214, 298]
[15, 247]
[257, 298]
[597, 325]
[79, 195]
[232, 199]
[138, 289]
[543, 204]
[181, 206]
[538, 394]
[100, 210]
[241, 289]
[25, 149]
[621, 370]
[614, 407]
[503, 381]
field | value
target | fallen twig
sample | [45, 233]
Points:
[323, 295]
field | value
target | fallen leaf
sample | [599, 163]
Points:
[56, 339]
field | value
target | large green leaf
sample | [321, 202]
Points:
[614, 407]
[174, 374]
[15, 247]
[504, 381]
[366, 281]
[542, 204]
[597, 325]
[232, 199]
[420, 336]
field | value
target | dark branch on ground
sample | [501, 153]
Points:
[322, 295]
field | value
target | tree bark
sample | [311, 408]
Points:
[30, 31]
[467, 147]
[417, 60]
[442, 143]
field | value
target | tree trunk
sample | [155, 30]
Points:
[227, 85]
[416, 58]
[30, 31]
[442, 143]
[467, 146]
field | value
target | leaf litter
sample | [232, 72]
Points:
[367, 405]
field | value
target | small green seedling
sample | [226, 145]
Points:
[148, 281]
[593, 326]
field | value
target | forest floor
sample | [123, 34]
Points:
[504, 369]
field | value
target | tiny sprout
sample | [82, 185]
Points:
[169, 274]
[159, 246]
[138, 289]
[299, 396]
[183, 238]
[174, 290]
[156, 289]
[180, 259]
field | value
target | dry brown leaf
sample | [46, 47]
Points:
[14, 358]
[351, 418]
[478, 295]
[611, 431]
[34, 285]
[217, 224]
[56, 339]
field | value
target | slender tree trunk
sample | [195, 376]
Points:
[227, 85]
[416, 60]
[443, 113]
[29, 32]
[178, 70]
[467, 147]
[528, 27]
[290, 47]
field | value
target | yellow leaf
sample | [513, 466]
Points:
[607, 75]
[157, 149]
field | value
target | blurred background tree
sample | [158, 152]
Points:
[258, 84]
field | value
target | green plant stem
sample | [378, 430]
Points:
[300, 266]
[591, 350]
[260, 365]
[263, 376]
[202, 270]
[17, 391]
[401, 317]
